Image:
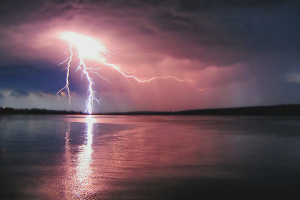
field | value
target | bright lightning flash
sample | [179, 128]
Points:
[88, 48]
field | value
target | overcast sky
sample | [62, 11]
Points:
[234, 53]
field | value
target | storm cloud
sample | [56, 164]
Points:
[234, 53]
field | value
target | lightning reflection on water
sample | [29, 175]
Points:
[79, 182]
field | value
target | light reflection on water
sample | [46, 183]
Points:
[79, 183]
[146, 157]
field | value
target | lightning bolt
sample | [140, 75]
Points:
[66, 87]
[89, 48]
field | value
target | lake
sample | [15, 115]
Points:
[148, 157]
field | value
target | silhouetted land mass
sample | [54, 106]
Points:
[7, 110]
[277, 110]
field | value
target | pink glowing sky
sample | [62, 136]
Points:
[235, 54]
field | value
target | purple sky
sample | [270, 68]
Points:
[236, 53]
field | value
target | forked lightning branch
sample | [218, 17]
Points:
[87, 48]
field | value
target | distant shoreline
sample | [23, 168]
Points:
[37, 111]
[275, 110]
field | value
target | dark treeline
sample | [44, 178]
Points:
[278, 110]
[6, 110]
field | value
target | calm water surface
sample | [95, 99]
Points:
[148, 157]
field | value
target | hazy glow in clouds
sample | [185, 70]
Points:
[237, 53]
[89, 48]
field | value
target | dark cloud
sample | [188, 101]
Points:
[16, 11]
[32, 78]
[19, 93]
[1, 95]
[234, 27]
[196, 5]
[181, 37]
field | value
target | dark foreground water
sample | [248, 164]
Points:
[148, 157]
